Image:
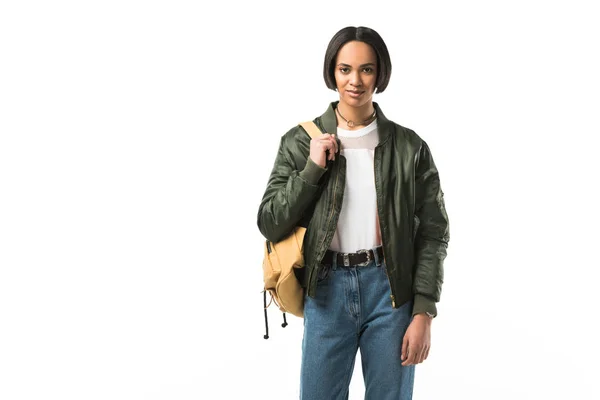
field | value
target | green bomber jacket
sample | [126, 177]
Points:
[410, 205]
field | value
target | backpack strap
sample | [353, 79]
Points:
[311, 128]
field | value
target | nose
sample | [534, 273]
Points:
[355, 79]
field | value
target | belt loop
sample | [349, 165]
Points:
[334, 260]
[376, 256]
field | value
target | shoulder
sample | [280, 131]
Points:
[294, 137]
[295, 133]
[400, 133]
[295, 145]
[407, 135]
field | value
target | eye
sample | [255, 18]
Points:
[368, 70]
[344, 70]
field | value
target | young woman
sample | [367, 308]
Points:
[369, 194]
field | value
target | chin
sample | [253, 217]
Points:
[357, 102]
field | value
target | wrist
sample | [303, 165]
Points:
[424, 316]
[312, 172]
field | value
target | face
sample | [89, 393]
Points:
[356, 73]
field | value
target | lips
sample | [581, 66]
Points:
[354, 93]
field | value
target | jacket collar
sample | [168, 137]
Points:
[384, 126]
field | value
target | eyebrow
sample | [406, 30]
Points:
[362, 66]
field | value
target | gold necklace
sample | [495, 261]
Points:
[352, 124]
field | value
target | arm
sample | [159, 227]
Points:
[432, 236]
[288, 194]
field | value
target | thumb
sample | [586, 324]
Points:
[404, 347]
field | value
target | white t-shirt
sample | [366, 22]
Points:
[358, 225]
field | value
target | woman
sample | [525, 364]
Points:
[369, 194]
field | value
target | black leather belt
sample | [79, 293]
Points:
[360, 258]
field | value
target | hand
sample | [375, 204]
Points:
[319, 147]
[417, 340]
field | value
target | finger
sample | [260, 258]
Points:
[420, 357]
[332, 149]
[324, 145]
[327, 149]
[410, 360]
[335, 144]
[426, 354]
[404, 348]
[321, 140]
[417, 352]
[326, 141]
[326, 138]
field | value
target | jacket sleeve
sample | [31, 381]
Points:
[432, 235]
[289, 192]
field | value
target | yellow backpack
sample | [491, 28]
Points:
[280, 260]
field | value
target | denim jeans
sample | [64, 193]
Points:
[352, 310]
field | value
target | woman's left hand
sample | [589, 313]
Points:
[417, 340]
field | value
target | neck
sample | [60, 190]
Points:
[355, 114]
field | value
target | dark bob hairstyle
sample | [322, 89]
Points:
[362, 34]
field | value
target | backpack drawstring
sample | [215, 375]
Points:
[265, 306]
[266, 319]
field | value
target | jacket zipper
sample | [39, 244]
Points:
[330, 214]
[392, 297]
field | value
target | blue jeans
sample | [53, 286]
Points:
[352, 310]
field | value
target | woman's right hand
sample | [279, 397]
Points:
[319, 147]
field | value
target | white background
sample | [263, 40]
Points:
[136, 143]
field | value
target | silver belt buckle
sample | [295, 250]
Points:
[346, 260]
[362, 264]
